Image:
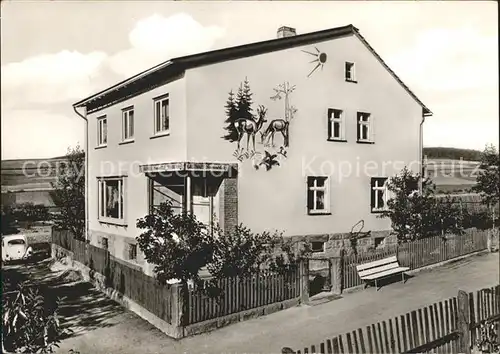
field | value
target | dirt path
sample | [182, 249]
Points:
[104, 327]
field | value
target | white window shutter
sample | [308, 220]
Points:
[343, 127]
[372, 127]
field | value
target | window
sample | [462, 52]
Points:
[349, 72]
[132, 252]
[111, 198]
[317, 246]
[378, 241]
[317, 195]
[379, 194]
[102, 131]
[335, 124]
[16, 242]
[128, 124]
[104, 242]
[162, 115]
[364, 127]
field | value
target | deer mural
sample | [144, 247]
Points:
[276, 125]
[250, 126]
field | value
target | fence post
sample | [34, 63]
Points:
[464, 322]
[336, 274]
[178, 301]
[304, 280]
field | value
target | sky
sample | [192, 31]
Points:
[54, 53]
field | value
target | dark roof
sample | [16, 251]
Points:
[174, 68]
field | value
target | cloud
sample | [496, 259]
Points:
[39, 133]
[156, 39]
[71, 75]
[50, 78]
[449, 59]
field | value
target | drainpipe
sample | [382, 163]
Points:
[421, 149]
[84, 117]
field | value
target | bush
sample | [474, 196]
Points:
[28, 324]
[8, 221]
[180, 246]
[418, 214]
[177, 244]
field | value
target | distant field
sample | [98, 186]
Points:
[452, 175]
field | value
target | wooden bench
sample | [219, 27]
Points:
[383, 268]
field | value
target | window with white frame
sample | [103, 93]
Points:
[364, 127]
[111, 198]
[128, 124]
[349, 72]
[335, 124]
[102, 131]
[162, 118]
[317, 195]
[379, 194]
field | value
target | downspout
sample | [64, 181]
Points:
[421, 150]
[84, 116]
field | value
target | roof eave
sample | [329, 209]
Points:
[225, 54]
[426, 110]
[122, 84]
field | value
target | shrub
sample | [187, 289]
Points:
[177, 244]
[28, 325]
[418, 214]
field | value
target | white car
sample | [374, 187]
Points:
[15, 247]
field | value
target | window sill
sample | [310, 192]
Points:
[337, 140]
[352, 81]
[378, 211]
[124, 142]
[365, 142]
[314, 213]
[101, 147]
[111, 221]
[159, 135]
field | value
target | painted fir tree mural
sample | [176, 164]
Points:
[236, 108]
[243, 126]
[231, 116]
[244, 101]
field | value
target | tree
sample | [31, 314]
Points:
[69, 193]
[178, 245]
[231, 116]
[488, 179]
[418, 214]
[244, 101]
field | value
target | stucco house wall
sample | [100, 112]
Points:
[276, 199]
[124, 159]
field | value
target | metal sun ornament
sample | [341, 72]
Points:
[320, 59]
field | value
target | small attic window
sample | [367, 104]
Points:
[350, 74]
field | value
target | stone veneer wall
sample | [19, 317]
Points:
[335, 242]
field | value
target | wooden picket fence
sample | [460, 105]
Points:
[141, 288]
[242, 293]
[449, 326]
[237, 294]
[130, 282]
[417, 254]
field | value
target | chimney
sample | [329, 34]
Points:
[285, 31]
